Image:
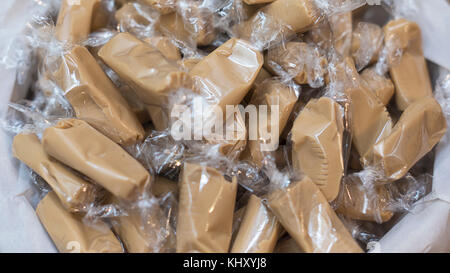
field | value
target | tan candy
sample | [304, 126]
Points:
[410, 73]
[299, 60]
[317, 145]
[306, 215]
[73, 192]
[227, 74]
[205, 214]
[419, 129]
[75, 20]
[281, 17]
[380, 85]
[70, 234]
[270, 93]
[95, 98]
[342, 29]
[165, 46]
[366, 44]
[78, 145]
[162, 6]
[367, 203]
[162, 186]
[370, 120]
[259, 230]
[143, 67]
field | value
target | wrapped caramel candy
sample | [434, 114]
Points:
[227, 74]
[70, 234]
[420, 128]
[364, 202]
[366, 44]
[73, 192]
[270, 93]
[165, 46]
[306, 215]
[76, 19]
[95, 99]
[380, 85]
[317, 145]
[410, 72]
[259, 230]
[162, 6]
[78, 145]
[205, 215]
[370, 120]
[143, 67]
[277, 19]
[300, 61]
[342, 29]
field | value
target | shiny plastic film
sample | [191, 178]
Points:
[234, 126]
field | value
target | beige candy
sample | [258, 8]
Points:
[380, 85]
[76, 19]
[70, 234]
[188, 63]
[205, 214]
[259, 230]
[306, 215]
[73, 192]
[129, 230]
[281, 17]
[131, 14]
[287, 245]
[143, 67]
[317, 145]
[136, 105]
[78, 145]
[165, 46]
[299, 60]
[227, 74]
[270, 93]
[162, 6]
[197, 29]
[360, 202]
[342, 30]
[366, 44]
[95, 98]
[420, 128]
[410, 73]
[370, 119]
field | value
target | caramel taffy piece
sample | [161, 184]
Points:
[205, 213]
[165, 46]
[81, 147]
[144, 68]
[162, 186]
[306, 215]
[410, 72]
[227, 74]
[95, 98]
[278, 19]
[196, 28]
[73, 192]
[259, 229]
[342, 29]
[132, 16]
[370, 120]
[363, 202]
[270, 93]
[70, 234]
[366, 44]
[75, 20]
[301, 61]
[162, 6]
[420, 128]
[317, 145]
[380, 85]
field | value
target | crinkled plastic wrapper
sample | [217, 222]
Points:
[241, 126]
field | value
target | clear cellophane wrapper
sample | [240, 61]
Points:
[309, 69]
